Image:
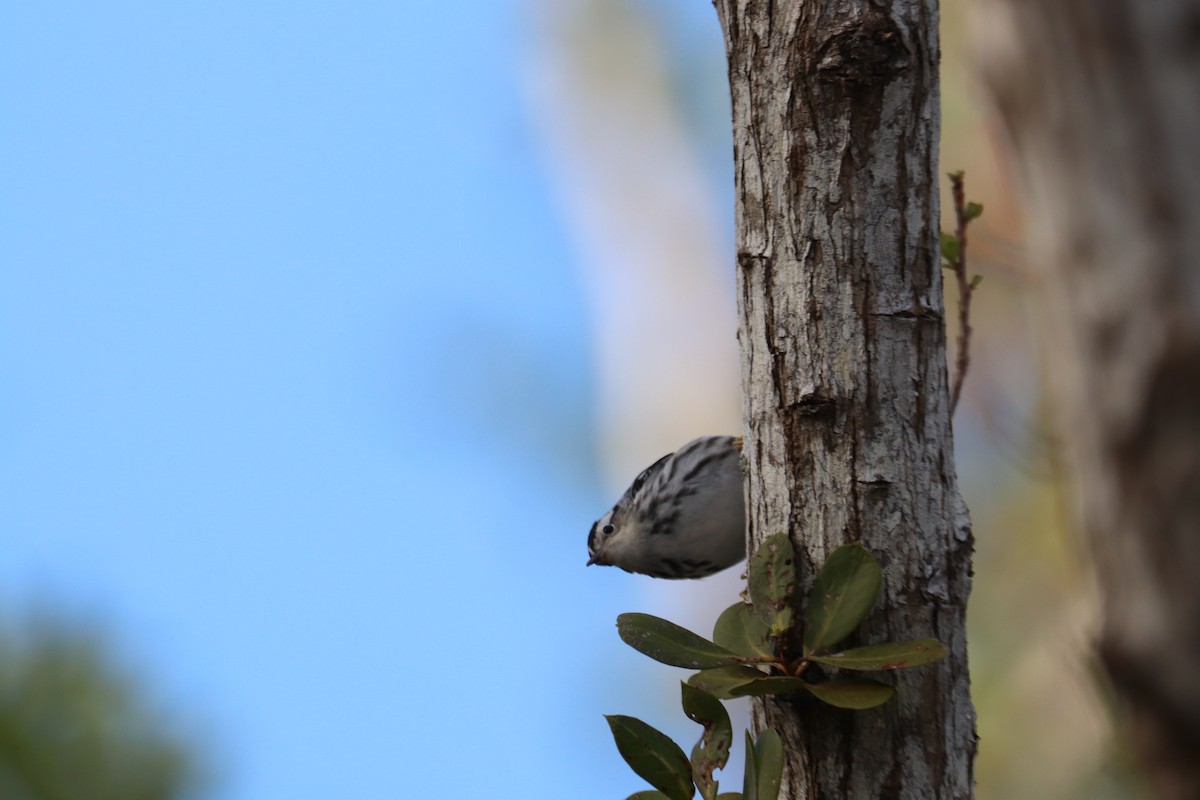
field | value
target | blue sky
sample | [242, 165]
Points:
[295, 381]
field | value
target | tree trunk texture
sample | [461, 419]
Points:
[1102, 102]
[843, 350]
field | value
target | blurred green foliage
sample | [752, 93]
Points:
[74, 727]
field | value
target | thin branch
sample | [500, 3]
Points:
[963, 214]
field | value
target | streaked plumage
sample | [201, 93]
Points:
[683, 517]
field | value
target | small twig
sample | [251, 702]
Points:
[957, 261]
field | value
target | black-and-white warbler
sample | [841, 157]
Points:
[683, 516]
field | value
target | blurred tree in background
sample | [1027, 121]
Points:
[74, 727]
[1099, 102]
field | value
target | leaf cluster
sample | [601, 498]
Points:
[749, 655]
[674, 776]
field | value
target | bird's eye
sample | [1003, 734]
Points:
[607, 529]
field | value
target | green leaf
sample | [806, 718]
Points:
[667, 642]
[649, 794]
[701, 707]
[978, 279]
[768, 684]
[957, 175]
[721, 681]
[972, 211]
[842, 594]
[712, 751]
[892, 655]
[768, 765]
[653, 756]
[949, 249]
[773, 581]
[741, 630]
[750, 778]
[857, 694]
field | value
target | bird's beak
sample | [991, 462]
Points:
[592, 560]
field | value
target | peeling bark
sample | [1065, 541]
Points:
[843, 349]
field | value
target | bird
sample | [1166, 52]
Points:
[684, 516]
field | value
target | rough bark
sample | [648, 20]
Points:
[1102, 101]
[847, 417]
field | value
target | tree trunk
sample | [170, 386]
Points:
[843, 348]
[1102, 101]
